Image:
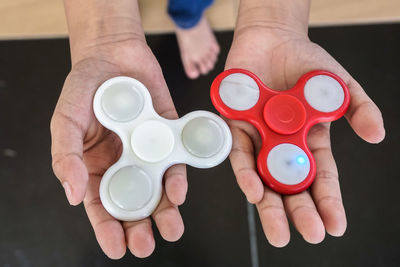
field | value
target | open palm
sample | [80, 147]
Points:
[279, 58]
[82, 149]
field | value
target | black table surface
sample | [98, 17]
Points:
[39, 228]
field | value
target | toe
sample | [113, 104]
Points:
[203, 67]
[213, 58]
[190, 69]
[215, 47]
[210, 65]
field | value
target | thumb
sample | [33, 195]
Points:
[67, 149]
[364, 116]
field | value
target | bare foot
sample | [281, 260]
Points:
[199, 48]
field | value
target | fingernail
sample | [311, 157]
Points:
[67, 189]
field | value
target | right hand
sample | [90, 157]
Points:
[82, 149]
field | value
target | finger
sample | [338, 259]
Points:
[243, 165]
[109, 232]
[303, 213]
[168, 220]
[176, 184]
[166, 216]
[363, 115]
[175, 177]
[139, 237]
[326, 189]
[66, 149]
[273, 218]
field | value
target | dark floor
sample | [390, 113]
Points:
[39, 228]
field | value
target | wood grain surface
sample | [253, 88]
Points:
[45, 18]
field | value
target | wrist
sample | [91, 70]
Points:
[95, 27]
[284, 17]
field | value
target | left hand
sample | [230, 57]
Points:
[279, 56]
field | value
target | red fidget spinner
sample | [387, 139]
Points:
[283, 119]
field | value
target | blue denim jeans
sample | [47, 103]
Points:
[187, 13]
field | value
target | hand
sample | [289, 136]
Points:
[279, 55]
[82, 149]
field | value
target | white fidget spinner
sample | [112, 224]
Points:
[131, 188]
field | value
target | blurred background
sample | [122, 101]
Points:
[45, 18]
[39, 228]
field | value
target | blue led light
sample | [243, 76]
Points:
[301, 160]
